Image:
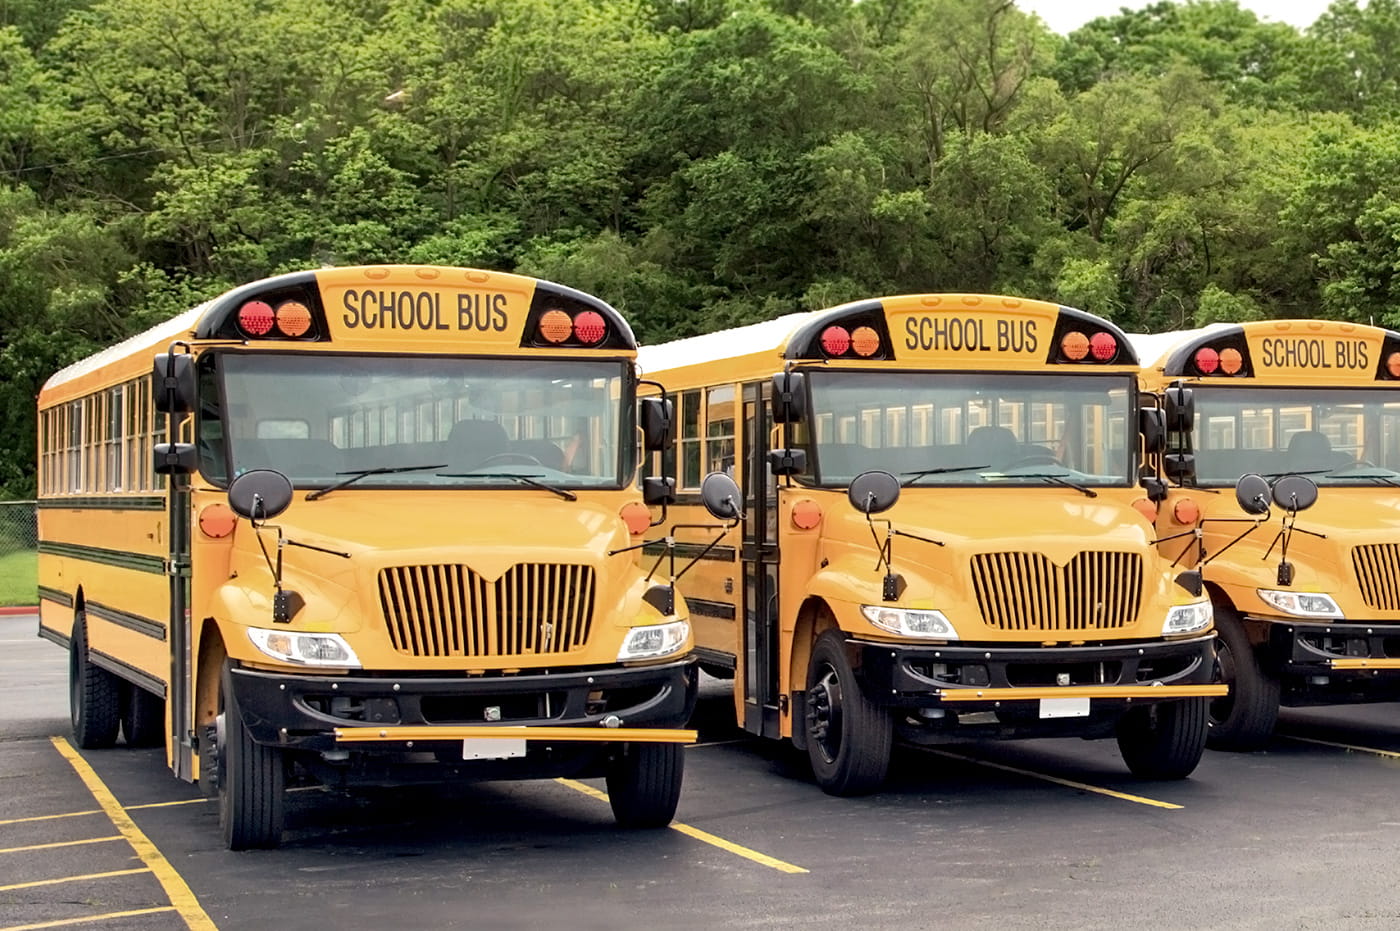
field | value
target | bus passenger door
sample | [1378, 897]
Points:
[759, 645]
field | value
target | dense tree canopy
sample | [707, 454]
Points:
[698, 163]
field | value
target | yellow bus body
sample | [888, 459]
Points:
[470, 603]
[1335, 385]
[1057, 593]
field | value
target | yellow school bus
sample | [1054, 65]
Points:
[366, 525]
[1311, 616]
[943, 535]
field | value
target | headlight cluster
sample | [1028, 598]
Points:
[910, 623]
[1302, 604]
[654, 640]
[305, 649]
[1183, 619]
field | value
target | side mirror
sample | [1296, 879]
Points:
[1152, 424]
[722, 497]
[1180, 406]
[1179, 467]
[656, 416]
[1253, 493]
[787, 461]
[175, 458]
[172, 382]
[789, 397]
[1295, 492]
[872, 492]
[658, 490]
[260, 495]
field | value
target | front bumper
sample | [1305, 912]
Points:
[1334, 646]
[899, 676]
[391, 713]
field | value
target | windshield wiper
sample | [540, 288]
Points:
[920, 473]
[1348, 472]
[358, 474]
[531, 480]
[1057, 479]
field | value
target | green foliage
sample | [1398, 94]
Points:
[698, 164]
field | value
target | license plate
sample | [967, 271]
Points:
[492, 748]
[1064, 707]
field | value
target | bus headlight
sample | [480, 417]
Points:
[654, 640]
[910, 623]
[1302, 604]
[304, 649]
[1183, 619]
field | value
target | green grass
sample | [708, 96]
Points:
[19, 578]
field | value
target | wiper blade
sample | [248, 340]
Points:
[1057, 479]
[531, 480]
[920, 473]
[355, 476]
[1349, 473]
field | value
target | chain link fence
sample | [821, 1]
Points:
[19, 553]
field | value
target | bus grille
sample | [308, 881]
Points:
[1026, 591]
[1378, 574]
[449, 610]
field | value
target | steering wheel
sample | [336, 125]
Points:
[524, 458]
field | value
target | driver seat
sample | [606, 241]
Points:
[995, 447]
[472, 442]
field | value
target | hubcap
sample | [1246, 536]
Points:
[1221, 707]
[824, 714]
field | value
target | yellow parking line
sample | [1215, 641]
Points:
[183, 801]
[181, 898]
[86, 919]
[1098, 790]
[703, 836]
[1391, 754]
[64, 843]
[67, 814]
[73, 879]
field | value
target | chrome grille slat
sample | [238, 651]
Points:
[1022, 591]
[449, 610]
[1377, 567]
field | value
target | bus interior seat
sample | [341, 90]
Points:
[472, 442]
[996, 447]
[1310, 451]
[304, 458]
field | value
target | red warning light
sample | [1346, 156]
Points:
[255, 318]
[590, 327]
[1207, 361]
[1103, 346]
[835, 340]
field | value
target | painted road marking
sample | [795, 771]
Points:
[703, 836]
[65, 922]
[1389, 754]
[73, 879]
[181, 898]
[65, 843]
[1098, 790]
[66, 814]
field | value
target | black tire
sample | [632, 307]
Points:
[251, 779]
[848, 736]
[94, 694]
[1165, 740]
[143, 717]
[1243, 720]
[644, 784]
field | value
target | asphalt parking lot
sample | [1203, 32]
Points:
[1038, 834]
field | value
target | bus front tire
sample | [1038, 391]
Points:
[848, 736]
[143, 717]
[644, 784]
[1165, 740]
[94, 694]
[1244, 719]
[251, 779]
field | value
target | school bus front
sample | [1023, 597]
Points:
[944, 520]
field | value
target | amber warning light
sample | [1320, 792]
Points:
[837, 341]
[291, 319]
[587, 327]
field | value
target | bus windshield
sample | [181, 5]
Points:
[947, 428]
[413, 421]
[1343, 436]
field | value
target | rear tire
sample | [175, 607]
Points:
[143, 717]
[1243, 720]
[848, 736]
[251, 779]
[644, 784]
[1165, 740]
[94, 694]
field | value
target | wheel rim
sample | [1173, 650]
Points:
[824, 713]
[1221, 707]
[75, 687]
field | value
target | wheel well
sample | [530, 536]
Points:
[813, 619]
[211, 663]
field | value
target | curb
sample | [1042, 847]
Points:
[14, 610]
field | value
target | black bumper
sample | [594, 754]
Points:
[929, 677]
[303, 711]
